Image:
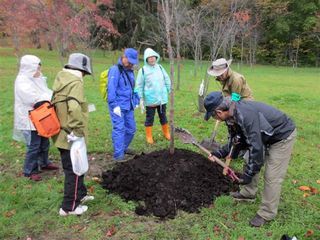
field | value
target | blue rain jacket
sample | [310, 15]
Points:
[120, 88]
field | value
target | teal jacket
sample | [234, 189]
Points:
[153, 83]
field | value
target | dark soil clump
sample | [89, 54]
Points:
[163, 183]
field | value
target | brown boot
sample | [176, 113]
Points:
[165, 130]
[149, 135]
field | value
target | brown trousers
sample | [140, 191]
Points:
[276, 164]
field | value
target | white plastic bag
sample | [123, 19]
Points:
[79, 158]
[201, 88]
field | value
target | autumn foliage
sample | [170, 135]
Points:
[59, 23]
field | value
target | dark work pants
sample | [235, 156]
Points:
[150, 112]
[74, 188]
[37, 150]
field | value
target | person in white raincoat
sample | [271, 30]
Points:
[31, 89]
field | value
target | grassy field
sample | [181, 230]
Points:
[29, 209]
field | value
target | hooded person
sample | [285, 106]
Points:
[30, 90]
[153, 87]
[268, 135]
[121, 102]
[72, 110]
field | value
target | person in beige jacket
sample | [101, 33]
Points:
[72, 111]
[231, 81]
[233, 85]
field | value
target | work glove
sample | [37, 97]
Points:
[71, 137]
[142, 105]
[117, 111]
[245, 179]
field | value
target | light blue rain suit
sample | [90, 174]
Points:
[120, 94]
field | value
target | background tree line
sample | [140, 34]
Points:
[281, 32]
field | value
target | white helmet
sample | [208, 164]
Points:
[79, 61]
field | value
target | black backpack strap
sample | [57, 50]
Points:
[121, 70]
[128, 78]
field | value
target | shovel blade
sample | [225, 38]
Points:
[210, 145]
[184, 135]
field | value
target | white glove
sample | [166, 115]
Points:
[142, 105]
[71, 137]
[117, 111]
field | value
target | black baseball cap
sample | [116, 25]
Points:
[211, 102]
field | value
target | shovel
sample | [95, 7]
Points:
[186, 137]
[210, 143]
[235, 142]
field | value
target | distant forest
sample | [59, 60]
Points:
[279, 32]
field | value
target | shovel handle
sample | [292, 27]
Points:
[214, 133]
[225, 170]
[228, 160]
[215, 159]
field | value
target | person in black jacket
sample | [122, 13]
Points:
[268, 134]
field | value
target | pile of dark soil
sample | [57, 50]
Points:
[163, 183]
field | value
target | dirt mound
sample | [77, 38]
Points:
[163, 183]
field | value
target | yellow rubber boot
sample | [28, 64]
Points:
[149, 135]
[166, 132]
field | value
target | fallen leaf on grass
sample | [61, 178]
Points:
[216, 230]
[10, 213]
[111, 231]
[306, 195]
[96, 179]
[115, 212]
[269, 234]
[235, 216]
[91, 189]
[79, 227]
[95, 214]
[304, 188]
[309, 233]
[314, 190]
[241, 238]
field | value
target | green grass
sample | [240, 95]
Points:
[30, 209]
